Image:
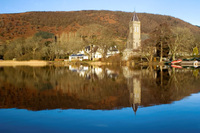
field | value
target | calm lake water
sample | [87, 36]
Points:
[99, 99]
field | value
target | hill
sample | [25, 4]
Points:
[27, 24]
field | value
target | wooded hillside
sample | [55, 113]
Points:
[27, 24]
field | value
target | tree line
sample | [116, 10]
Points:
[164, 41]
[48, 46]
[170, 42]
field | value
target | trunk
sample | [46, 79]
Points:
[151, 58]
[161, 75]
[173, 56]
[161, 52]
[34, 53]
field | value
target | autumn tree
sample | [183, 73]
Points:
[197, 40]
[195, 51]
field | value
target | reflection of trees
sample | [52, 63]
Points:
[183, 82]
[31, 77]
[161, 86]
[170, 86]
[57, 87]
[39, 88]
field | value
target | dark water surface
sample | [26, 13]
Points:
[99, 99]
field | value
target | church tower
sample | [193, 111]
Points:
[134, 38]
[133, 46]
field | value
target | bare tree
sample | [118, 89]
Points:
[162, 37]
[182, 41]
[96, 34]
[149, 49]
[33, 45]
[70, 43]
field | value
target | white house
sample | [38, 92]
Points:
[79, 57]
[112, 51]
[93, 52]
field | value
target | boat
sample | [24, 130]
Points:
[176, 61]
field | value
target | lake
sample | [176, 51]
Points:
[99, 99]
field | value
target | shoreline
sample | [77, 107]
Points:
[34, 63]
[42, 63]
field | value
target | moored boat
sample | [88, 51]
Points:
[176, 61]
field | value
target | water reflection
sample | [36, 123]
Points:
[91, 87]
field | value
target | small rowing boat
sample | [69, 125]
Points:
[176, 61]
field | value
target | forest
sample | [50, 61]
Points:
[69, 31]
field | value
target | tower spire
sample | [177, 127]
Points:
[135, 17]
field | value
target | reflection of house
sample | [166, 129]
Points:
[99, 72]
[112, 74]
[80, 57]
[88, 72]
[82, 70]
[94, 72]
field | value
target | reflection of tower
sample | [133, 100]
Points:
[134, 86]
[135, 94]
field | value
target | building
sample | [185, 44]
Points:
[93, 52]
[78, 57]
[134, 39]
[112, 51]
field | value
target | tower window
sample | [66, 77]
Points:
[136, 29]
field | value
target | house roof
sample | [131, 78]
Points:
[94, 48]
[113, 48]
[87, 47]
[135, 17]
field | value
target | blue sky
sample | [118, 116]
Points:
[187, 10]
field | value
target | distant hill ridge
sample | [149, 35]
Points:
[27, 24]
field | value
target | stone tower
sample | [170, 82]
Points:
[134, 38]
